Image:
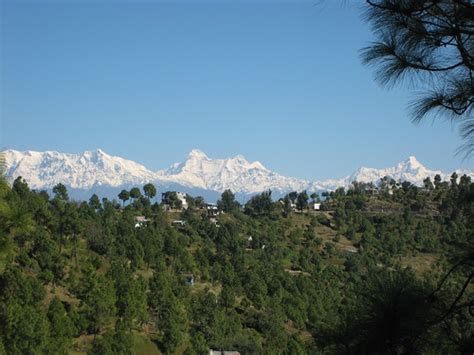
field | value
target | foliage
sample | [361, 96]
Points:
[426, 41]
[266, 280]
[227, 202]
[260, 205]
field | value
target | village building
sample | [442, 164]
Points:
[182, 197]
[169, 199]
[141, 221]
[212, 210]
[179, 222]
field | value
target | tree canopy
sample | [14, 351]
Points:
[380, 269]
[428, 44]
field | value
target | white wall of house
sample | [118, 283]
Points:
[182, 197]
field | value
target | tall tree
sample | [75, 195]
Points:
[16, 220]
[429, 44]
[173, 324]
[260, 205]
[227, 202]
[149, 190]
[135, 193]
[94, 202]
[124, 195]
[302, 201]
[60, 192]
[61, 327]
[20, 186]
[131, 295]
[100, 302]
[24, 328]
[292, 196]
[199, 201]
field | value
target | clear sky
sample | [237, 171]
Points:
[277, 81]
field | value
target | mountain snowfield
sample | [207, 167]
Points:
[102, 173]
[46, 169]
[236, 174]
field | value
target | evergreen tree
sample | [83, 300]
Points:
[100, 303]
[150, 190]
[227, 203]
[61, 327]
[124, 196]
[135, 193]
[302, 201]
[94, 202]
[60, 192]
[420, 40]
[260, 205]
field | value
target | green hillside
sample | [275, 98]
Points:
[377, 270]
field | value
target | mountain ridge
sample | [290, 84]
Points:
[96, 168]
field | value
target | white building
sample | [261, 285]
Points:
[167, 199]
[182, 197]
[140, 221]
[212, 210]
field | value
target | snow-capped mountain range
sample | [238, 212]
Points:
[98, 172]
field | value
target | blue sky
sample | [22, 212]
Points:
[277, 81]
